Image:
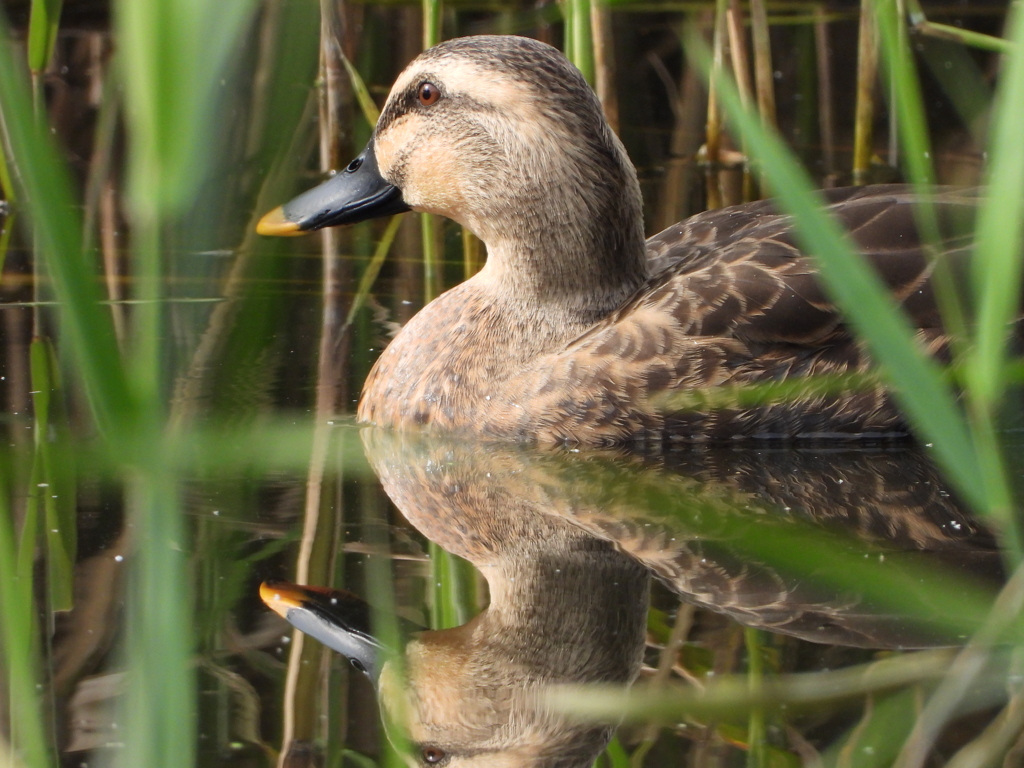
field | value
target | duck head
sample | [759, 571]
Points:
[503, 135]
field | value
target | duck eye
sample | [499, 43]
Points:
[433, 755]
[428, 94]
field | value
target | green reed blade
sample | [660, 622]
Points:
[912, 127]
[42, 33]
[53, 483]
[909, 107]
[766, 393]
[360, 761]
[172, 57]
[7, 188]
[962, 81]
[917, 380]
[5, 239]
[730, 697]
[966, 37]
[472, 254]
[616, 755]
[159, 708]
[875, 740]
[955, 34]
[371, 270]
[46, 192]
[897, 582]
[1000, 230]
[380, 594]
[756, 729]
[366, 102]
[453, 591]
[735, 529]
[430, 226]
[18, 650]
[30, 533]
[579, 39]
[431, 23]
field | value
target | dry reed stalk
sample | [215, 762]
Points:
[681, 173]
[764, 74]
[741, 71]
[304, 729]
[713, 137]
[604, 61]
[826, 122]
[867, 73]
[109, 246]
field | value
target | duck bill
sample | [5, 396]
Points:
[336, 618]
[358, 193]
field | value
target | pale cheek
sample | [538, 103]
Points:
[435, 183]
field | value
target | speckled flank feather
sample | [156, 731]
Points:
[575, 326]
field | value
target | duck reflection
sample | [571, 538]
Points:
[567, 544]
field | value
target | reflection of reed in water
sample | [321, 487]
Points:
[561, 538]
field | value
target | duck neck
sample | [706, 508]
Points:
[570, 244]
[591, 600]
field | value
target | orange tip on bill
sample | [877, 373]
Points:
[280, 597]
[274, 224]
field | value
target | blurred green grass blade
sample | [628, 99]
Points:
[452, 594]
[877, 738]
[380, 594]
[18, 658]
[51, 484]
[29, 534]
[6, 184]
[46, 193]
[909, 106]
[43, 24]
[962, 81]
[947, 32]
[968, 37]
[616, 754]
[366, 102]
[361, 761]
[917, 380]
[904, 584]
[916, 158]
[213, 451]
[767, 392]
[1000, 229]
[5, 241]
[773, 756]
[159, 708]
[947, 604]
[756, 729]
[729, 697]
[172, 55]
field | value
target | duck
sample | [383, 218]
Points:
[577, 328]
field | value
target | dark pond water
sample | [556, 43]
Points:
[515, 570]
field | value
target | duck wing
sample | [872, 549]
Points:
[740, 272]
[735, 300]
